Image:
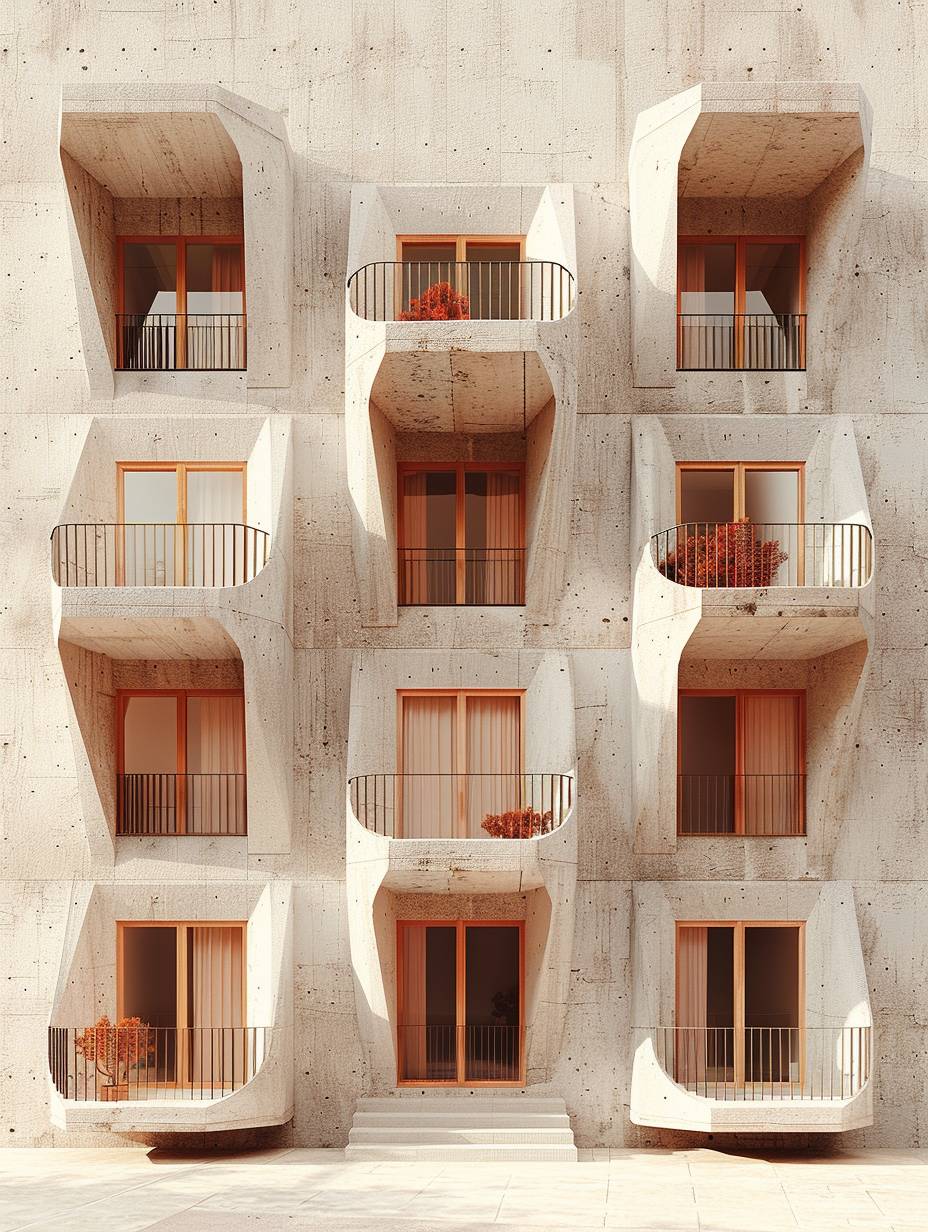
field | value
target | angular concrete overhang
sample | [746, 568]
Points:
[178, 142]
[743, 141]
[87, 988]
[836, 998]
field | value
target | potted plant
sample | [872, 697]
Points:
[439, 302]
[517, 823]
[114, 1049]
[722, 554]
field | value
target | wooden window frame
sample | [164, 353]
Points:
[460, 926]
[739, 695]
[181, 244]
[738, 974]
[741, 243]
[181, 697]
[460, 752]
[460, 469]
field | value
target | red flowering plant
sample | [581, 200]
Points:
[114, 1048]
[439, 302]
[722, 554]
[517, 823]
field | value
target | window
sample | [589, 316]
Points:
[186, 981]
[184, 524]
[181, 762]
[486, 269]
[460, 755]
[461, 534]
[740, 302]
[460, 993]
[181, 302]
[741, 762]
[739, 1003]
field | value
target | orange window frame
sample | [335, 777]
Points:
[739, 695]
[460, 469]
[741, 243]
[460, 927]
[181, 244]
[738, 975]
[181, 697]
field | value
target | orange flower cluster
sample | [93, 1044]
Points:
[728, 554]
[110, 1045]
[517, 823]
[439, 303]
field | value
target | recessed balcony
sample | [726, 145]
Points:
[206, 805]
[172, 341]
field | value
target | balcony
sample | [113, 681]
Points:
[759, 805]
[426, 291]
[755, 342]
[206, 805]
[170, 342]
[203, 554]
[117, 1064]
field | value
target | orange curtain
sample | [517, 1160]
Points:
[414, 574]
[772, 785]
[503, 581]
[428, 786]
[692, 1004]
[217, 962]
[215, 752]
[494, 759]
[411, 1014]
[226, 274]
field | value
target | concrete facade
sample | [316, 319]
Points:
[591, 129]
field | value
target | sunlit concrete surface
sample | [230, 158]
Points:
[132, 1189]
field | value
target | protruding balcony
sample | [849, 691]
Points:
[202, 554]
[169, 342]
[206, 805]
[461, 291]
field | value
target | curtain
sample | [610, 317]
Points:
[502, 572]
[227, 272]
[692, 1004]
[415, 569]
[773, 788]
[218, 551]
[428, 786]
[411, 1014]
[215, 765]
[216, 969]
[494, 759]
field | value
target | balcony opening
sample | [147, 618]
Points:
[181, 762]
[460, 772]
[461, 534]
[741, 303]
[741, 762]
[460, 1002]
[178, 524]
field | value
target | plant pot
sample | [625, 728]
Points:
[118, 1090]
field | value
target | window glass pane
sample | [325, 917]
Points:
[215, 735]
[494, 280]
[215, 278]
[424, 265]
[771, 278]
[149, 978]
[492, 1004]
[707, 278]
[707, 496]
[150, 735]
[706, 795]
[720, 977]
[150, 496]
[771, 496]
[150, 278]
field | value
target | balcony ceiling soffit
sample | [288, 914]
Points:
[121, 637]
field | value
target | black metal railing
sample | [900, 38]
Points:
[761, 554]
[157, 553]
[117, 1063]
[449, 576]
[755, 341]
[473, 806]
[750, 804]
[766, 1063]
[201, 804]
[170, 341]
[461, 290]
[459, 1053]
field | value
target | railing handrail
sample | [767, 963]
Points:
[115, 525]
[439, 261]
[148, 316]
[764, 316]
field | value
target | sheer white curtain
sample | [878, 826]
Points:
[503, 576]
[692, 1004]
[411, 1012]
[494, 759]
[773, 791]
[215, 764]
[216, 958]
[218, 550]
[427, 790]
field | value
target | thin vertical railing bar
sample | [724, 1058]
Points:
[130, 544]
[767, 341]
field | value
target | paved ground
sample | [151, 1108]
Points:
[661, 1191]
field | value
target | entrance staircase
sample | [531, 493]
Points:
[461, 1125]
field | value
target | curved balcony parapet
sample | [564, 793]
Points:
[194, 554]
[461, 291]
[461, 806]
[759, 555]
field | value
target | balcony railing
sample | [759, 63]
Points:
[461, 290]
[762, 805]
[761, 554]
[169, 341]
[755, 341]
[197, 804]
[471, 806]
[766, 1063]
[451, 576]
[114, 1063]
[465, 1053]
[157, 553]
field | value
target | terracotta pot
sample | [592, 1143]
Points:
[119, 1090]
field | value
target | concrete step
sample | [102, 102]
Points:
[462, 1102]
[407, 1135]
[461, 1120]
[463, 1153]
